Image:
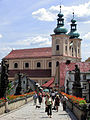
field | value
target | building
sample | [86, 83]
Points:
[40, 64]
[88, 60]
[84, 77]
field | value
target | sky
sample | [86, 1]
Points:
[29, 23]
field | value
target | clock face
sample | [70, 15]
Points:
[66, 42]
[57, 41]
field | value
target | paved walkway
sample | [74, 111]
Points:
[30, 112]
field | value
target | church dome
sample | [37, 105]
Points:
[73, 34]
[60, 30]
[60, 24]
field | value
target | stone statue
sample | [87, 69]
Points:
[77, 74]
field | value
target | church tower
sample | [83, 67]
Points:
[75, 41]
[61, 43]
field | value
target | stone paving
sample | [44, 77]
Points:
[30, 112]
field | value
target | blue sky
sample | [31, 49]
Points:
[29, 23]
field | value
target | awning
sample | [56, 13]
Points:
[49, 83]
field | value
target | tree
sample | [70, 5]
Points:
[4, 78]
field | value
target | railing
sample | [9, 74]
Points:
[14, 102]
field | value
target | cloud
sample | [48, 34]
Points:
[1, 35]
[44, 15]
[86, 46]
[87, 36]
[36, 40]
[82, 12]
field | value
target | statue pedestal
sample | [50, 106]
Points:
[77, 90]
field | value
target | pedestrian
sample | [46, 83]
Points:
[64, 103]
[35, 96]
[53, 95]
[40, 98]
[57, 102]
[49, 103]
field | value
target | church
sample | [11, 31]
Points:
[40, 64]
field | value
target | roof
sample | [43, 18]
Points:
[84, 67]
[49, 83]
[88, 60]
[30, 53]
[31, 73]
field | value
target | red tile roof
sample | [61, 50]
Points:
[30, 53]
[49, 83]
[32, 73]
[84, 67]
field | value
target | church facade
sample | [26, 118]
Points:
[40, 64]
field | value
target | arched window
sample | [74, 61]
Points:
[26, 65]
[57, 47]
[38, 64]
[57, 63]
[50, 64]
[15, 65]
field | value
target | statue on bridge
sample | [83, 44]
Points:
[77, 75]
[77, 90]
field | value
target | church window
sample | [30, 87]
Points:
[26, 65]
[57, 47]
[50, 64]
[72, 51]
[38, 64]
[57, 63]
[15, 65]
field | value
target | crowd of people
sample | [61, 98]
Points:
[52, 101]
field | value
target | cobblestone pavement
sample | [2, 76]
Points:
[30, 112]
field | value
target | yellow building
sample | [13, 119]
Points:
[40, 63]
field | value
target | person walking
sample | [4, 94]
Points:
[53, 95]
[49, 103]
[35, 96]
[40, 98]
[57, 102]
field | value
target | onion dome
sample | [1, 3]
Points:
[60, 24]
[73, 32]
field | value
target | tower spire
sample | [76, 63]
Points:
[73, 14]
[60, 8]
[60, 24]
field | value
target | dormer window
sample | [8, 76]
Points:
[15, 65]
[57, 47]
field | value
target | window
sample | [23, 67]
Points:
[57, 63]
[72, 51]
[15, 65]
[38, 64]
[50, 64]
[26, 65]
[23, 82]
[84, 77]
[57, 47]
[84, 86]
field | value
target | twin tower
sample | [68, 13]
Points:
[66, 47]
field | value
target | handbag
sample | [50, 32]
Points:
[46, 109]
